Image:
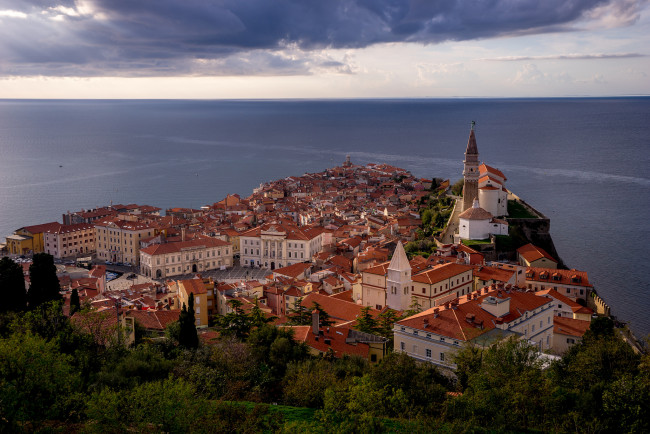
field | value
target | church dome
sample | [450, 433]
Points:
[475, 213]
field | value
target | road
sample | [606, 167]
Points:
[452, 227]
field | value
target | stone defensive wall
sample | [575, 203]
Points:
[536, 230]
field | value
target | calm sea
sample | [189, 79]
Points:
[583, 162]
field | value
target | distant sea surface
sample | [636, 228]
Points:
[582, 162]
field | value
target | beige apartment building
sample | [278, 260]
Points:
[193, 256]
[70, 240]
[118, 239]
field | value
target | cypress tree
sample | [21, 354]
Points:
[44, 285]
[188, 337]
[75, 304]
[12, 286]
[323, 317]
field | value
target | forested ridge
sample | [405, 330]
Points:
[57, 376]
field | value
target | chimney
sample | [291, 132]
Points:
[182, 234]
[469, 318]
[315, 322]
[426, 322]
[436, 312]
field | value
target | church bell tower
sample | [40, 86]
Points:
[470, 171]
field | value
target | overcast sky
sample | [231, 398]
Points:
[323, 48]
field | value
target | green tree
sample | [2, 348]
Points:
[414, 308]
[188, 336]
[236, 322]
[37, 382]
[12, 287]
[366, 322]
[457, 188]
[75, 304]
[298, 314]
[323, 317]
[169, 405]
[44, 284]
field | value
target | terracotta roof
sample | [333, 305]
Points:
[45, 227]
[575, 307]
[440, 273]
[551, 275]
[452, 322]
[335, 307]
[334, 336]
[154, 319]
[570, 326]
[293, 271]
[193, 286]
[531, 252]
[475, 213]
[204, 242]
[493, 273]
[378, 269]
[484, 168]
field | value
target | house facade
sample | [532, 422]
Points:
[70, 240]
[276, 245]
[118, 240]
[481, 318]
[193, 256]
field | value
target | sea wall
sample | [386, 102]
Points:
[535, 230]
[598, 305]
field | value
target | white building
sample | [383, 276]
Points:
[478, 224]
[194, 256]
[276, 245]
[492, 193]
[481, 318]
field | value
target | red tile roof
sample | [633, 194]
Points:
[551, 275]
[531, 253]
[440, 273]
[452, 323]
[570, 326]
[203, 242]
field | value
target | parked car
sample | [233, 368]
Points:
[108, 263]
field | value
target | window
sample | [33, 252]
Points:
[570, 341]
[415, 332]
[403, 346]
[428, 352]
[442, 357]
[533, 328]
[415, 348]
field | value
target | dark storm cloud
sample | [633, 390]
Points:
[166, 37]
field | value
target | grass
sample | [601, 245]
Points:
[289, 413]
[476, 242]
[517, 211]
[505, 243]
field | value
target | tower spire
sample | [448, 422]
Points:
[470, 170]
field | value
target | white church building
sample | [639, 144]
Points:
[478, 224]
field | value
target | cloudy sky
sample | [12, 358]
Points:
[323, 48]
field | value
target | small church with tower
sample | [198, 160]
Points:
[485, 197]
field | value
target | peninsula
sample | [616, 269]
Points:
[357, 262]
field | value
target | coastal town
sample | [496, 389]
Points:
[437, 264]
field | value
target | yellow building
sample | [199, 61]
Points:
[533, 256]
[204, 301]
[29, 239]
